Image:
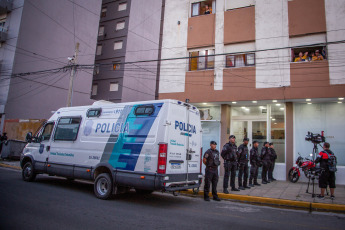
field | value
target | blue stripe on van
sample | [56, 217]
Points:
[127, 149]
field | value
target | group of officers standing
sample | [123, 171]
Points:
[237, 158]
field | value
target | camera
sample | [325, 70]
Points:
[315, 138]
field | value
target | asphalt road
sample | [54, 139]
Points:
[55, 203]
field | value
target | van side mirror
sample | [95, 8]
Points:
[29, 137]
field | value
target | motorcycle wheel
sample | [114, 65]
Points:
[293, 176]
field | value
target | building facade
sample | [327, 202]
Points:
[129, 33]
[244, 64]
[40, 35]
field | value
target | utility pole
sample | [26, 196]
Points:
[73, 71]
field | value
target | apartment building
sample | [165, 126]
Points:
[244, 71]
[38, 35]
[129, 33]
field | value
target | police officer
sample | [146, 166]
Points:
[255, 163]
[266, 162]
[211, 160]
[229, 154]
[242, 155]
[273, 162]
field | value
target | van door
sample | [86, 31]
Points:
[40, 147]
[194, 144]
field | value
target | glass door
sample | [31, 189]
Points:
[210, 132]
[259, 132]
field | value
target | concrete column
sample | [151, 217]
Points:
[289, 137]
[224, 130]
[219, 46]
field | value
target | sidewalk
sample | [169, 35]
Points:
[284, 193]
[281, 193]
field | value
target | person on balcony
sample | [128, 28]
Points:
[318, 56]
[299, 58]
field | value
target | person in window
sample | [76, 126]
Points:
[299, 58]
[318, 56]
[207, 10]
[305, 56]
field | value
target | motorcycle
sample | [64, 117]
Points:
[304, 164]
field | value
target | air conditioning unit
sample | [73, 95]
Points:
[205, 114]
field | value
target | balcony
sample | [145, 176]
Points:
[5, 6]
[3, 34]
[201, 31]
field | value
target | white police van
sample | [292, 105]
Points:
[151, 145]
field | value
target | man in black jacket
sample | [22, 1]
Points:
[211, 161]
[273, 162]
[255, 163]
[266, 162]
[229, 154]
[243, 158]
[327, 176]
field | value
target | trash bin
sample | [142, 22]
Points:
[12, 149]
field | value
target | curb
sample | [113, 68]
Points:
[277, 202]
[10, 166]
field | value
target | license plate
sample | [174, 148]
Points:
[175, 165]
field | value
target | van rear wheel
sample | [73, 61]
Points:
[28, 173]
[103, 186]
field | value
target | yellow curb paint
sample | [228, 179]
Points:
[333, 207]
[9, 166]
[266, 200]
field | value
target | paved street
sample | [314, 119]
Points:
[54, 203]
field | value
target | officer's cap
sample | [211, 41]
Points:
[232, 136]
[245, 139]
[213, 143]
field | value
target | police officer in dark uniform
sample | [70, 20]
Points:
[229, 154]
[255, 163]
[273, 162]
[266, 162]
[211, 160]
[243, 158]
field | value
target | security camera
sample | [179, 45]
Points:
[70, 58]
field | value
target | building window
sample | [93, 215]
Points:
[200, 60]
[120, 25]
[118, 45]
[94, 89]
[240, 60]
[99, 50]
[114, 87]
[67, 129]
[116, 66]
[122, 6]
[201, 8]
[307, 54]
[104, 12]
[96, 70]
[101, 31]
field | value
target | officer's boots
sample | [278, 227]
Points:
[256, 183]
[225, 190]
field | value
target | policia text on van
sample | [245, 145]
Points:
[153, 145]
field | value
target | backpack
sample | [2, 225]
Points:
[332, 162]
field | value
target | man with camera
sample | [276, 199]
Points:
[266, 162]
[242, 155]
[211, 160]
[327, 161]
[273, 155]
[229, 154]
[255, 163]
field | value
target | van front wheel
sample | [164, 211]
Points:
[28, 173]
[103, 186]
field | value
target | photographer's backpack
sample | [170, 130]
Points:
[332, 162]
